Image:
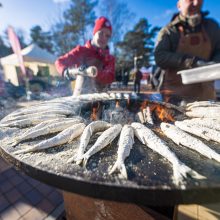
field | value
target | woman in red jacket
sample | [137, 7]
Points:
[94, 53]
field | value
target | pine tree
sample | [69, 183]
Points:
[136, 43]
[119, 15]
[4, 49]
[41, 38]
[75, 25]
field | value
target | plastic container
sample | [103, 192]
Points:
[200, 74]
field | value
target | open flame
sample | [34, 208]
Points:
[164, 114]
[117, 104]
[148, 112]
[95, 112]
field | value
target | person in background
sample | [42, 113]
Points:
[94, 53]
[137, 81]
[125, 79]
[189, 40]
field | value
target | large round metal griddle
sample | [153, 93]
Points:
[149, 174]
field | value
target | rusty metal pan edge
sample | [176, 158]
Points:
[138, 194]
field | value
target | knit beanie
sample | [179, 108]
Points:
[100, 23]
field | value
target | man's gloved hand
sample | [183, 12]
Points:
[193, 62]
[201, 63]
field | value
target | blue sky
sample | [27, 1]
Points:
[25, 14]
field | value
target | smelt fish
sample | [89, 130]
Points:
[31, 121]
[182, 138]
[90, 129]
[200, 131]
[47, 122]
[34, 110]
[102, 96]
[61, 138]
[37, 114]
[151, 140]
[53, 127]
[112, 95]
[192, 105]
[103, 140]
[125, 145]
[85, 97]
[191, 129]
[204, 112]
[206, 122]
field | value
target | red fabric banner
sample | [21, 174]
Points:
[16, 47]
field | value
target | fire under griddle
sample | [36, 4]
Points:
[149, 174]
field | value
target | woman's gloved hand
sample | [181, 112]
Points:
[71, 72]
[67, 75]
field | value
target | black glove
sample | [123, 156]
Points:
[82, 68]
[67, 75]
[192, 62]
[71, 72]
[201, 63]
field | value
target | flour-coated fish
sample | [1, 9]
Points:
[31, 121]
[200, 131]
[103, 140]
[90, 129]
[182, 138]
[151, 140]
[204, 112]
[61, 138]
[125, 145]
[206, 122]
[51, 128]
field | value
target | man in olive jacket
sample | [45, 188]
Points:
[189, 40]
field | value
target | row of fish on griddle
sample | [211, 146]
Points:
[51, 118]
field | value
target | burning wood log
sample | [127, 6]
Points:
[148, 116]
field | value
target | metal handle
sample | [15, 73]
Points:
[90, 71]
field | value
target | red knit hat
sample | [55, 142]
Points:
[100, 23]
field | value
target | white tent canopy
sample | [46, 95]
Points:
[35, 59]
[32, 53]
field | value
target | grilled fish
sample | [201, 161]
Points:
[204, 112]
[151, 140]
[53, 127]
[182, 138]
[31, 121]
[61, 138]
[92, 128]
[125, 145]
[197, 104]
[206, 122]
[103, 140]
[35, 112]
[28, 116]
[200, 131]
